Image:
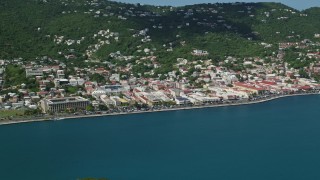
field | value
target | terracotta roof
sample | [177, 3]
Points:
[305, 87]
[269, 82]
[249, 86]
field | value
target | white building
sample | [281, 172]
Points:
[182, 101]
[33, 72]
[60, 74]
[76, 81]
[61, 104]
[115, 77]
[198, 52]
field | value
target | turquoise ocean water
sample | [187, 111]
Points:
[277, 140]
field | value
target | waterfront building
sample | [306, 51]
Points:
[254, 89]
[117, 101]
[61, 104]
[182, 100]
[204, 99]
[146, 98]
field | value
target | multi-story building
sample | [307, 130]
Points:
[61, 104]
[76, 82]
[60, 74]
[34, 72]
[111, 89]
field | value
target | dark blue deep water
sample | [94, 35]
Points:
[278, 140]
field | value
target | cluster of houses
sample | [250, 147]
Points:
[217, 84]
[192, 82]
[213, 16]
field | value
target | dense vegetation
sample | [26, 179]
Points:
[29, 29]
[16, 76]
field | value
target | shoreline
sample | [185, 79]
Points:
[162, 110]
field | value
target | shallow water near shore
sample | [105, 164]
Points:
[272, 140]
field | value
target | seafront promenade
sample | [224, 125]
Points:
[257, 100]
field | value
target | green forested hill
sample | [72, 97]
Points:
[30, 29]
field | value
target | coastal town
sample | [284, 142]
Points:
[146, 77]
[171, 89]
[57, 91]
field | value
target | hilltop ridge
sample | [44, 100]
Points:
[99, 31]
[30, 26]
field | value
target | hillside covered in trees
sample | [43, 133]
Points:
[100, 30]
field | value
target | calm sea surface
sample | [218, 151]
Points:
[278, 140]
